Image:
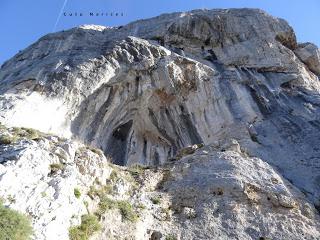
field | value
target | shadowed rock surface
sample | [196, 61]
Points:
[143, 92]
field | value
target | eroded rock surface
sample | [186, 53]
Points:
[39, 178]
[216, 192]
[236, 80]
[310, 55]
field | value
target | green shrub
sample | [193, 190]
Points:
[18, 133]
[108, 188]
[28, 133]
[125, 208]
[171, 237]
[155, 200]
[141, 206]
[136, 170]
[92, 192]
[16, 130]
[11, 199]
[77, 193]
[89, 225]
[99, 192]
[104, 205]
[114, 176]
[55, 167]
[127, 211]
[14, 225]
[5, 139]
[31, 133]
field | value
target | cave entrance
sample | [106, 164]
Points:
[117, 144]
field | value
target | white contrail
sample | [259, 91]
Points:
[60, 14]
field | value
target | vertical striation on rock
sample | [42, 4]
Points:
[144, 91]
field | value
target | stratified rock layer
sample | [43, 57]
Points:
[143, 91]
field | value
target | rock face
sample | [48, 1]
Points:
[214, 192]
[144, 91]
[310, 55]
[235, 199]
[39, 178]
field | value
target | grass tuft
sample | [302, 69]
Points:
[136, 170]
[6, 140]
[89, 225]
[171, 237]
[127, 211]
[114, 176]
[125, 208]
[77, 193]
[55, 167]
[155, 200]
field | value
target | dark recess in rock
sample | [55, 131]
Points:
[117, 144]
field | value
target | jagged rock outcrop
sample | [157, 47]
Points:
[144, 91]
[310, 55]
[38, 177]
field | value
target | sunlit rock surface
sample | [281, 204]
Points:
[144, 91]
[213, 192]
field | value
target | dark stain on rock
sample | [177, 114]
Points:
[189, 126]
[156, 158]
[162, 130]
[263, 107]
[100, 115]
[144, 151]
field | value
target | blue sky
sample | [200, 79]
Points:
[25, 21]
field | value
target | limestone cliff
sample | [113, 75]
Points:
[144, 91]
